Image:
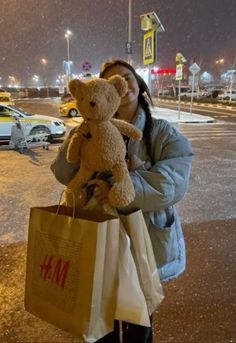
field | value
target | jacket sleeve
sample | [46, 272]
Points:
[166, 182]
[62, 170]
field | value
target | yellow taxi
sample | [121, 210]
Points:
[6, 99]
[69, 109]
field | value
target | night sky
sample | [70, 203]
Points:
[203, 30]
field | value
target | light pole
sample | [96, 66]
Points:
[44, 64]
[152, 25]
[129, 44]
[220, 65]
[232, 80]
[67, 37]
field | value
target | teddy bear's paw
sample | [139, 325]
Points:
[137, 134]
[121, 194]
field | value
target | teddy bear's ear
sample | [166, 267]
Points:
[73, 86]
[119, 83]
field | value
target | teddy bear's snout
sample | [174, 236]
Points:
[92, 103]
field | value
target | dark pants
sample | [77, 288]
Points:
[131, 334]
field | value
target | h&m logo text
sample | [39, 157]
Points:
[55, 270]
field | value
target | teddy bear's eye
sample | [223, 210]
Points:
[108, 98]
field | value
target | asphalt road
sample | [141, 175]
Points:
[199, 306]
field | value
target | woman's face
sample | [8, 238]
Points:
[133, 87]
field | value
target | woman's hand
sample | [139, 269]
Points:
[135, 163]
[101, 190]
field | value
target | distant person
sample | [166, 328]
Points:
[159, 167]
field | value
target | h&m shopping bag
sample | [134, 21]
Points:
[71, 276]
[142, 251]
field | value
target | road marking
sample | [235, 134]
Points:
[208, 138]
[213, 131]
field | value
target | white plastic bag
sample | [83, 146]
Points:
[131, 304]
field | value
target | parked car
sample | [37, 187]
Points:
[66, 97]
[69, 109]
[34, 123]
[226, 95]
[5, 98]
[200, 93]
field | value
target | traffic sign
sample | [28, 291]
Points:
[149, 47]
[194, 68]
[86, 66]
[128, 47]
[179, 72]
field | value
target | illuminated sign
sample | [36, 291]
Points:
[163, 71]
[179, 72]
[149, 47]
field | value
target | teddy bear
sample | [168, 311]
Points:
[97, 144]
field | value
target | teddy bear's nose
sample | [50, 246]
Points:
[92, 103]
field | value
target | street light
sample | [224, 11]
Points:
[35, 78]
[13, 81]
[67, 37]
[219, 67]
[61, 81]
[220, 61]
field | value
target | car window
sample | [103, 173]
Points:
[5, 99]
[4, 113]
[20, 110]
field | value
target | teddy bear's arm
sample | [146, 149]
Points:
[80, 135]
[74, 147]
[127, 129]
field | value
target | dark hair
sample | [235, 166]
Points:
[144, 98]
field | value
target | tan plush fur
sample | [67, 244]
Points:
[104, 148]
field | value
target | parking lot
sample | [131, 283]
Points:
[199, 307]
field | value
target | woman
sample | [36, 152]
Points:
[159, 167]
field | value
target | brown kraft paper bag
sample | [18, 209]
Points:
[72, 270]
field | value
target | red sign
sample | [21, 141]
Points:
[86, 66]
[166, 71]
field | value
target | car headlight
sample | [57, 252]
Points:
[59, 123]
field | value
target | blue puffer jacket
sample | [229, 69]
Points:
[158, 187]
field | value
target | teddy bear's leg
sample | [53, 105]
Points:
[122, 192]
[75, 187]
